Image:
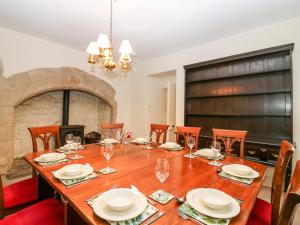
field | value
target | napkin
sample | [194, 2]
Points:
[161, 196]
[247, 181]
[188, 210]
[149, 211]
[78, 180]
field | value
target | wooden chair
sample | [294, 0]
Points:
[24, 193]
[46, 212]
[229, 137]
[111, 130]
[292, 198]
[268, 213]
[44, 134]
[160, 132]
[187, 132]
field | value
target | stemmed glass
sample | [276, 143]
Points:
[108, 153]
[69, 139]
[190, 144]
[162, 172]
[77, 144]
[148, 139]
[216, 148]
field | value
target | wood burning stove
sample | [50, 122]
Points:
[76, 130]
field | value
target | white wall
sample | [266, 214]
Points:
[20, 53]
[263, 37]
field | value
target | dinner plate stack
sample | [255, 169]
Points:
[69, 147]
[240, 171]
[50, 157]
[212, 203]
[108, 141]
[171, 146]
[73, 172]
[206, 153]
[120, 204]
[140, 141]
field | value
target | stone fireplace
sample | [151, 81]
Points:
[46, 108]
[34, 98]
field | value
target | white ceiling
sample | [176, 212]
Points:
[154, 27]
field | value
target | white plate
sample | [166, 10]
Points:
[206, 152]
[140, 141]
[228, 169]
[193, 198]
[170, 145]
[50, 157]
[86, 170]
[108, 141]
[101, 210]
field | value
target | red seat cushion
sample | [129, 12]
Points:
[47, 212]
[261, 213]
[20, 193]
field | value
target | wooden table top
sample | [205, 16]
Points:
[136, 166]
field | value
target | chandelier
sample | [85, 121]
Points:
[101, 52]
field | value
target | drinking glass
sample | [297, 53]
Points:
[77, 144]
[148, 140]
[191, 144]
[216, 148]
[162, 172]
[108, 153]
[69, 139]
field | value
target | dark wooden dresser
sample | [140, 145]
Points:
[250, 91]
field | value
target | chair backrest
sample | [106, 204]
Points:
[111, 130]
[292, 199]
[160, 131]
[229, 137]
[44, 134]
[285, 154]
[187, 132]
[1, 199]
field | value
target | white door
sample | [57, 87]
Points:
[171, 110]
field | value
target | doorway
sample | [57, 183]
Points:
[162, 99]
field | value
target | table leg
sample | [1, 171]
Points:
[44, 189]
[72, 217]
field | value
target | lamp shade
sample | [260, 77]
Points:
[93, 48]
[125, 47]
[125, 57]
[103, 41]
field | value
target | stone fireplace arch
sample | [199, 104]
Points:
[22, 86]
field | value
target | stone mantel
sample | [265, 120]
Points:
[22, 86]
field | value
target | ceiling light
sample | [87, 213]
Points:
[101, 52]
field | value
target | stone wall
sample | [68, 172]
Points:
[19, 87]
[45, 109]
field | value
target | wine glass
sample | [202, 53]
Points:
[216, 148]
[162, 172]
[191, 144]
[69, 139]
[108, 153]
[148, 140]
[77, 144]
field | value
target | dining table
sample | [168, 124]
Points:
[135, 165]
